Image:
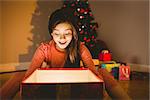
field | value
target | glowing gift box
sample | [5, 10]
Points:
[56, 83]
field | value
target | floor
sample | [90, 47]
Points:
[137, 88]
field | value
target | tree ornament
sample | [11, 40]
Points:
[83, 26]
[81, 17]
[64, 6]
[78, 9]
[84, 39]
[80, 29]
[85, 12]
[82, 10]
[73, 5]
[81, 32]
[93, 37]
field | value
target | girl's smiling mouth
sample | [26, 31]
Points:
[62, 43]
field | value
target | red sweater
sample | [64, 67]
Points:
[54, 58]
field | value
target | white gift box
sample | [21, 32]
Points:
[58, 83]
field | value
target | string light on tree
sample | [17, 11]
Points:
[78, 9]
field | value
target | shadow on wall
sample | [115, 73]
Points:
[39, 23]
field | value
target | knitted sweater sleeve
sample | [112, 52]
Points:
[37, 59]
[87, 58]
[11, 87]
[112, 87]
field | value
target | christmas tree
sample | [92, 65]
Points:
[87, 26]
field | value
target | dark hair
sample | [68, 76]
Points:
[66, 15]
[60, 16]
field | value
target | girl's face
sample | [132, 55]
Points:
[62, 35]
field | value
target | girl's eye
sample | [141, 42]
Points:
[67, 33]
[56, 33]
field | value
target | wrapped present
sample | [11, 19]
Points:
[124, 72]
[105, 55]
[111, 67]
[115, 72]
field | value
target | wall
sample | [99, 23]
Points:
[16, 17]
[0, 32]
[24, 26]
[123, 26]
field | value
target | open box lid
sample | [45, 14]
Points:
[62, 75]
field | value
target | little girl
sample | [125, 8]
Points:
[63, 50]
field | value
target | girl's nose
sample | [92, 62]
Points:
[62, 36]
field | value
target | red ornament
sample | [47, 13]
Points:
[64, 6]
[91, 14]
[73, 5]
[82, 10]
[91, 45]
[93, 37]
[88, 40]
[84, 39]
[81, 32]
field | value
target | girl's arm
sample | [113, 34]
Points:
[12, 86]
[37, 59]
[87, 59]
[113, 88]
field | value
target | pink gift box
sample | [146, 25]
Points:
[50, 83]
[124, 72]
